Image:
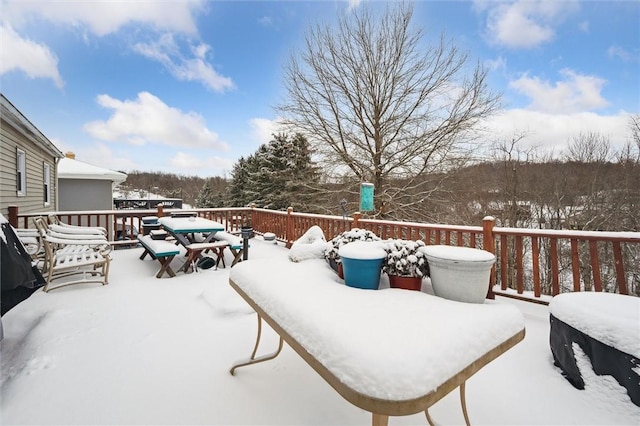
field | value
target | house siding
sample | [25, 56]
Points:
[84, 194]
[14, 134]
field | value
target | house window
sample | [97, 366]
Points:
[47, 184]
[21, 172]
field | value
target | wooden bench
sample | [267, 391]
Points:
[235, 245]
[391, 352]
[195, 250]
[163, 251]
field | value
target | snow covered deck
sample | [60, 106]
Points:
[142, 350]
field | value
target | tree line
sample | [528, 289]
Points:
[590, 187]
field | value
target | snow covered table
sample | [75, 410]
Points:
[390, 352]
[606, 326]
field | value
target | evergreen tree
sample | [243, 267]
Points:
[276, 176]
[239, 180]
[208, 197]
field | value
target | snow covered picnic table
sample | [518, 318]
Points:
[390, 352]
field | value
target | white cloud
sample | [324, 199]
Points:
[266, 21]
[500, 63]
[524, 23]
[353, 4]
[34, 59]
[263, 129]
[166, 160]
[149, 120]
[105, 17]
[101, 155]
[554, 131]
[208, 166]
[584, 26]
[195, 68]
[621, 53]
[575, 93]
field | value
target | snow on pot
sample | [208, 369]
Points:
[460, 273]
[362, 264]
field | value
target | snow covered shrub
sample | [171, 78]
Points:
[355, 234]
[406, 258]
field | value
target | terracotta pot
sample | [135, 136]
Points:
[407, 283]
[337, 266]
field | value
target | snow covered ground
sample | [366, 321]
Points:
[158, 351]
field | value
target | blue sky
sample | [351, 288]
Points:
[189, 86]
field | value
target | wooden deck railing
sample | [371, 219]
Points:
[532, 264]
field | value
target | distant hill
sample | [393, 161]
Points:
[594, 196]
[171, 185]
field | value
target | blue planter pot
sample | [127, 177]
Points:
[362, 264]
[362, 273]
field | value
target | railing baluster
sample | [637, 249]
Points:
[575, 264]
[620, 278]
[595, 264]
[503, 262]
[555, 273]
[535, 259]
[519, 270]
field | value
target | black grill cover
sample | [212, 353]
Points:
[605, 359]
[18, 278]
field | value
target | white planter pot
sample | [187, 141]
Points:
[460, 273]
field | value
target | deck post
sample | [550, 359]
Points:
[356, 218]
[488, 243]
[13, 216]
[252, 219]
[289, 228]
[160, 210]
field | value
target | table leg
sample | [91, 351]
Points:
[192, 256]
[463, 401]
[165, 262]
[145, 253]
[253, 359]
[237, 256]
[181, 238]
[379, 420]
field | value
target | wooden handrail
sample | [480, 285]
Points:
[532, 264]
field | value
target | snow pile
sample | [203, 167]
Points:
[311, 245]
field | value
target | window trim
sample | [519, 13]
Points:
[21, 173]
[46, 183]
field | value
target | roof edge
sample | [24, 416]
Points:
[16, 117]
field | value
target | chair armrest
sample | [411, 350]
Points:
[99, 244]
[76, 237]
[73, 229]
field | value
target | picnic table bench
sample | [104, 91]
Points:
[195, 250]
[161, 250]
[391, 352]
[235, 245]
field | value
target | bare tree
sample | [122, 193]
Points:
[589, 147]
[634, 126]
[378, 105]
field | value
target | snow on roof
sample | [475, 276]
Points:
[73, 169]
